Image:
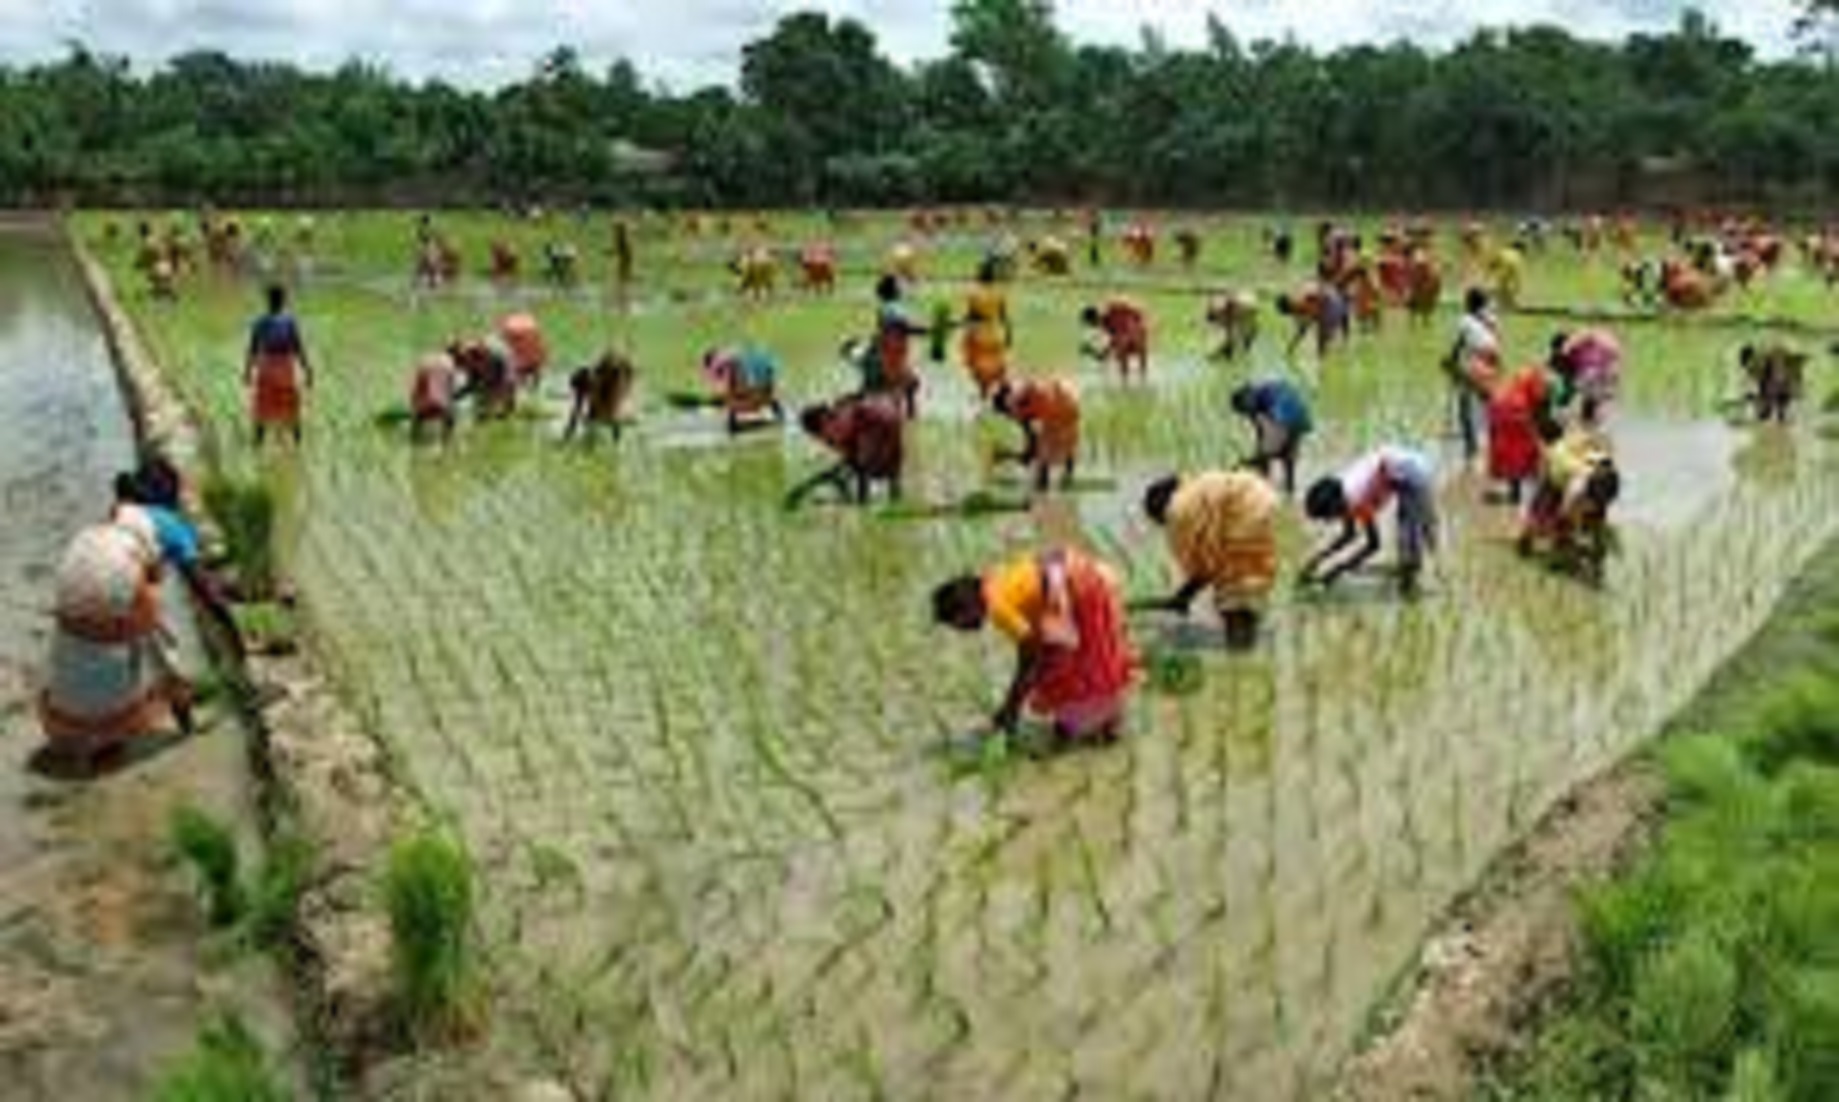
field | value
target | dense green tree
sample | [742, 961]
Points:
[1529, 117]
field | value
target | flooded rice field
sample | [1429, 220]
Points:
[701, 747]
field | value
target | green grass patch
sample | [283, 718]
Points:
[227, 1064]
[428, 891]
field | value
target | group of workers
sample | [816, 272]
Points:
[1541, 429]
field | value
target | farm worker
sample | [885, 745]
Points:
[988, 332]
[867, 433]
[1140, 243]
[600, 391]
[622, 252]
[1362, 293]
[276, 368]
[1188, 243]
[112, 674]
[1049, 256]
[746, 380]
[1320, 309]
[1425, 290]
[1357, 497]
[1063, 612]
[486, 376]
[1095, 237]
[1774, 373]
[817, 264]
[1235, 315]
[1281, 421]
[889, 366]
[1506, 268]
[1522, 412]
[1126, 331]
[1593, 359]
[758, 271]
[1222, 532]
[1684, 288]
[561, 261]
[902, 262]
[523, 341]
[505, 262]
[1473, 363]
[1047, 410]
[433, 394]
[1578, 482]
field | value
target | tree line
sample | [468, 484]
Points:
[1015, 111]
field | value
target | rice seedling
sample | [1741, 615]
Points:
[429, 893]
[208, 847]
[227, 1064]
[245, 513]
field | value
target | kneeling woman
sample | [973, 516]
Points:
[112, 674]
[1063, 612]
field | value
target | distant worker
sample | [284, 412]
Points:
[433, 396]
[1569, 515]
[988, 333]
[1222, 532]
[1234, 315]
[276, 369]
[1775, 374]
[1320, 309]
[746, 382]
[1472, 364]
[599, 392]
[1125, 329]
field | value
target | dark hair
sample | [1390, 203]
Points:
[277, 298]
[127, 488]
[1286, 305]
[1746, 355]
[1475, 301]
[1326, 500]
[1003, 397]
[1089, 315]
[812, 419]
[1245, 400]
[159, 481]
[1158, 497]
[1604, 485]
[958, 601]
[986, 271]
[887, 289]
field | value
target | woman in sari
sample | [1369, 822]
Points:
[987, 332]
[276, 369]
[112, 674]
[1062, 610]
[1047, 410]
[1222, 532]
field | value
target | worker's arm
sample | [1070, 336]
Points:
[1368, 548]
[1303, 326]
[1349, 530]
[1180, 601]
[209, 600]
[836, 476]
[1028, 661]
[1008, 328]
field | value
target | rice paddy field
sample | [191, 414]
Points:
[709, 756]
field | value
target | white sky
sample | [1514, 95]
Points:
[689, 42]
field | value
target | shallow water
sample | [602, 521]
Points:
[628, 662]
[101, 976]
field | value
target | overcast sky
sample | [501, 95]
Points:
[688, 42]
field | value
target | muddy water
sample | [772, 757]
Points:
[103, 974]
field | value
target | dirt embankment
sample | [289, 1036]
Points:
[1506, 950]
[324, 776]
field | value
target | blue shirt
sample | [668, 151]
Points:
[1284, 404]
[274, 335]
[177, 538]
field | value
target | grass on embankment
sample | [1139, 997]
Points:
[1711, 968]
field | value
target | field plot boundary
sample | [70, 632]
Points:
[318, 768]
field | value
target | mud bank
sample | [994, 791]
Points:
[107, 965]
[320, 772]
